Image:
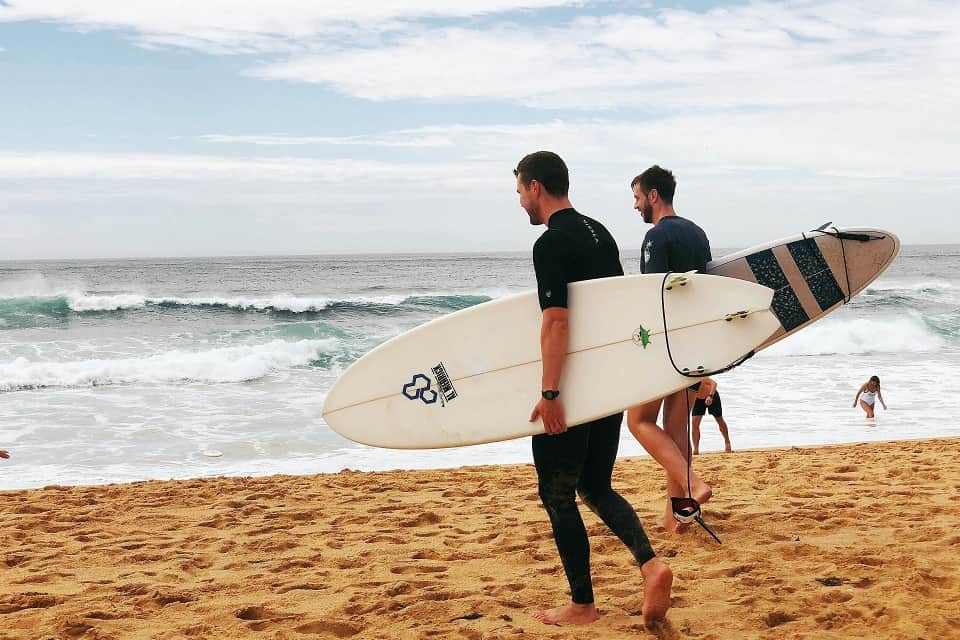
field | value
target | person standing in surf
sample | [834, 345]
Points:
[579, 460]
[868, 394]
[708, 400]
[674, 244]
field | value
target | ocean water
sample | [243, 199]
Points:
[122, 370]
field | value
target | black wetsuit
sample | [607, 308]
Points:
[573, 248]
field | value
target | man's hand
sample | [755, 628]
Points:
[4, 454]
[708, 400]
[551, 411]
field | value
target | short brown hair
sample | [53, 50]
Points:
[548, 169]
[656, 177]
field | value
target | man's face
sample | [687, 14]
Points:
[529, 199]
[642, 203]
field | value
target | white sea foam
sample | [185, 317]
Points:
[228, 364]
[897, 334]
[81, 302]
[910, 285]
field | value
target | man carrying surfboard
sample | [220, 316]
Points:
[580, 460]
[674, 244]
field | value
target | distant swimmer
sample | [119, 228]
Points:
[868, 395]
[708, 400]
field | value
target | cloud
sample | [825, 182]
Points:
[92, 166]
[249, 26]
[733, 56]
[758, 55]
[405, 138]
[842, 141]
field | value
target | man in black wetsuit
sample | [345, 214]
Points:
[577, 460]
[677, 245]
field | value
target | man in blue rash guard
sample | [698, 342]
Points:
[677, 245]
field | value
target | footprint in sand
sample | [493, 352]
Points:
[19, 602]
[337, 629]
[403, 570]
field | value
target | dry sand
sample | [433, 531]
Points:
[854, 541]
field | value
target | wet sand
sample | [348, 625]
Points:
[851, 541]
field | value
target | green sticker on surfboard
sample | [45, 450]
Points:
[641, 337]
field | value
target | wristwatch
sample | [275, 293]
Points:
[550, 394]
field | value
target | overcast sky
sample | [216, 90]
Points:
[239, 127]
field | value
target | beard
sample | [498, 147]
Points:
[647, 213]
[534, 217]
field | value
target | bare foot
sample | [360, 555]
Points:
[727, 448]
[702, 492]
[574, 613]
[696, 452]
[670, 523]
[657, 580]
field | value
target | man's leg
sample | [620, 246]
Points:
[724, 432]
[663, 449]
[696, 434]
[676, 410]
[597, 493]
[559, 461]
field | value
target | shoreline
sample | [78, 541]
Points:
[620, 458]
[833, 541]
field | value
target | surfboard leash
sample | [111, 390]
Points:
[841, 236]
[666, 339]
[687, 510]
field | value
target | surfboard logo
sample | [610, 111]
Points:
[419, 389]
[641, 337]
[444, 382]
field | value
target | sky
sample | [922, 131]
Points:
[136, 128]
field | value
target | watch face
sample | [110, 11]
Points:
[550, 394]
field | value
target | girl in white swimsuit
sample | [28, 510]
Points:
[868, 394]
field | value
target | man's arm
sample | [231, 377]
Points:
[707, 387]
[657, 250]
[554, 333]
[550, 255]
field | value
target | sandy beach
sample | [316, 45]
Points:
[851, 541]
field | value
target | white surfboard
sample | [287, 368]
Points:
[812, 273]
[474, 376]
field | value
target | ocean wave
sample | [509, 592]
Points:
[910, 333]
[239, 363]
[936, 284]
[63, 304]
[924, 295]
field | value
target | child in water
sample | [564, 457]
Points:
[868, 395]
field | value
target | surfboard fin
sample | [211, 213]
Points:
[678, 280]
[743, 313]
